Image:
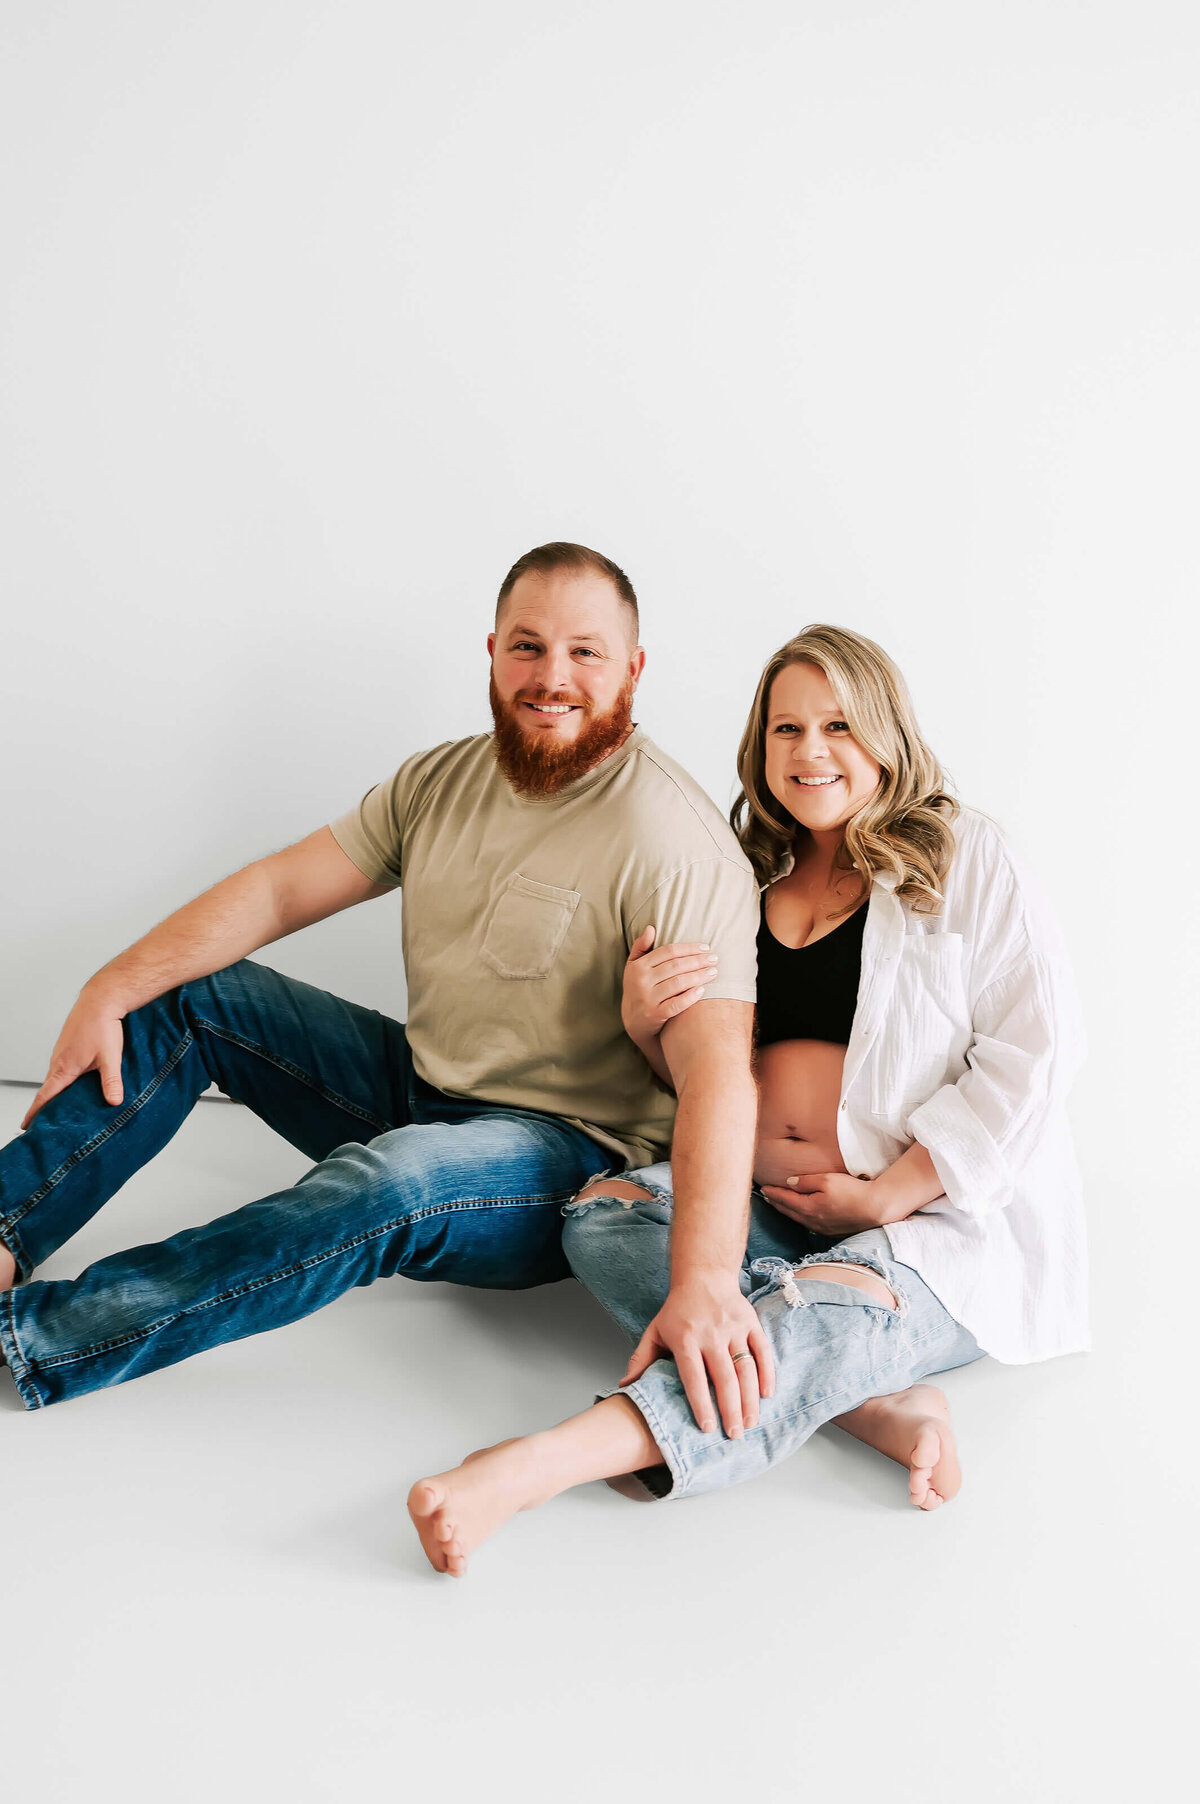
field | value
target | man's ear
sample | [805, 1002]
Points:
[491, 645]
[636, 666]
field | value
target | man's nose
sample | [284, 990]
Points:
[554, 670]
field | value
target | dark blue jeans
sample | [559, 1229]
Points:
[407, 1180]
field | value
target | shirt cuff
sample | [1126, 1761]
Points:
[974, 1173]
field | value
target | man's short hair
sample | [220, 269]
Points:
[544, 560]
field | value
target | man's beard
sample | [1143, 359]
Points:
[539, 764]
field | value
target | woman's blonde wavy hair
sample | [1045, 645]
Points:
[904, 829]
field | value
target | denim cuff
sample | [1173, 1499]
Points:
[18, 1365]
[11, 1237]
[647, 1485]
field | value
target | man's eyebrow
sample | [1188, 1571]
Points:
[533, 632]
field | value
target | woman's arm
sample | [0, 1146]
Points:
[832, 1202]
[658, 986]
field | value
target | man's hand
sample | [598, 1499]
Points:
[92, 1039]
[704, 1324]
[830, 1202]
[272, 897]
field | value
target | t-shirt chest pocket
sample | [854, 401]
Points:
[527, 927]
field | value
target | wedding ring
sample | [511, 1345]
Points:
[744, 1354]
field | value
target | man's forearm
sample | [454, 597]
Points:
[227, 922]
[712, 1157]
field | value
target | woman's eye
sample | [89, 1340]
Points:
[839, 726]
[785, 727]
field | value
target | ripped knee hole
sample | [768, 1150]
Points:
[859, 1277]
[614, 1187]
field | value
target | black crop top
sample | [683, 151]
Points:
[809, 992]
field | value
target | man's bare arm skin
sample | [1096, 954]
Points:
[712, 1152]
[706, 1320]
[268, 900]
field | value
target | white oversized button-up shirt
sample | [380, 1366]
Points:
[966, 1036]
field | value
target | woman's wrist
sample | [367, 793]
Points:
[905, 1186]
[889, 1204]
[650, 1047]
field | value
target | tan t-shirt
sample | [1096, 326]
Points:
[519, 914]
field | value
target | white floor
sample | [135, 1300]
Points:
[212, 1589]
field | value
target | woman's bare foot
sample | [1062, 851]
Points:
[913, 1428]
[8, 1268]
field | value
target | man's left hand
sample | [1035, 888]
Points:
[829, 1202]
[716, 1339]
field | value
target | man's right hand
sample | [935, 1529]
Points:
[92, 1039]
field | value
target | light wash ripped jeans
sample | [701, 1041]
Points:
[834, 1345]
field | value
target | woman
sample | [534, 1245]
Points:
[916, 1200]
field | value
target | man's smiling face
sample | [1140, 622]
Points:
[563, 674]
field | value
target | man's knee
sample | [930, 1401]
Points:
[212, 994]
[598, 1220]
[607, 1187]
[858, 1277]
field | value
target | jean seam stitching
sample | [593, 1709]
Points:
[291, 1271]
[296, 1071]
[90, 1146]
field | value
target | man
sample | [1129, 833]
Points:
[531, 860]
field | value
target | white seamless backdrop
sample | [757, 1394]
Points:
[316, 316]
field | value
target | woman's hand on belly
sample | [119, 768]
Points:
[831, 1203]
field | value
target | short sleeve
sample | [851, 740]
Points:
[713, 901]
[372, 835]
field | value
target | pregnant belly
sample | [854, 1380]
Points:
[799, 1086]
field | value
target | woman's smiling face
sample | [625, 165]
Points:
[814, 765]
